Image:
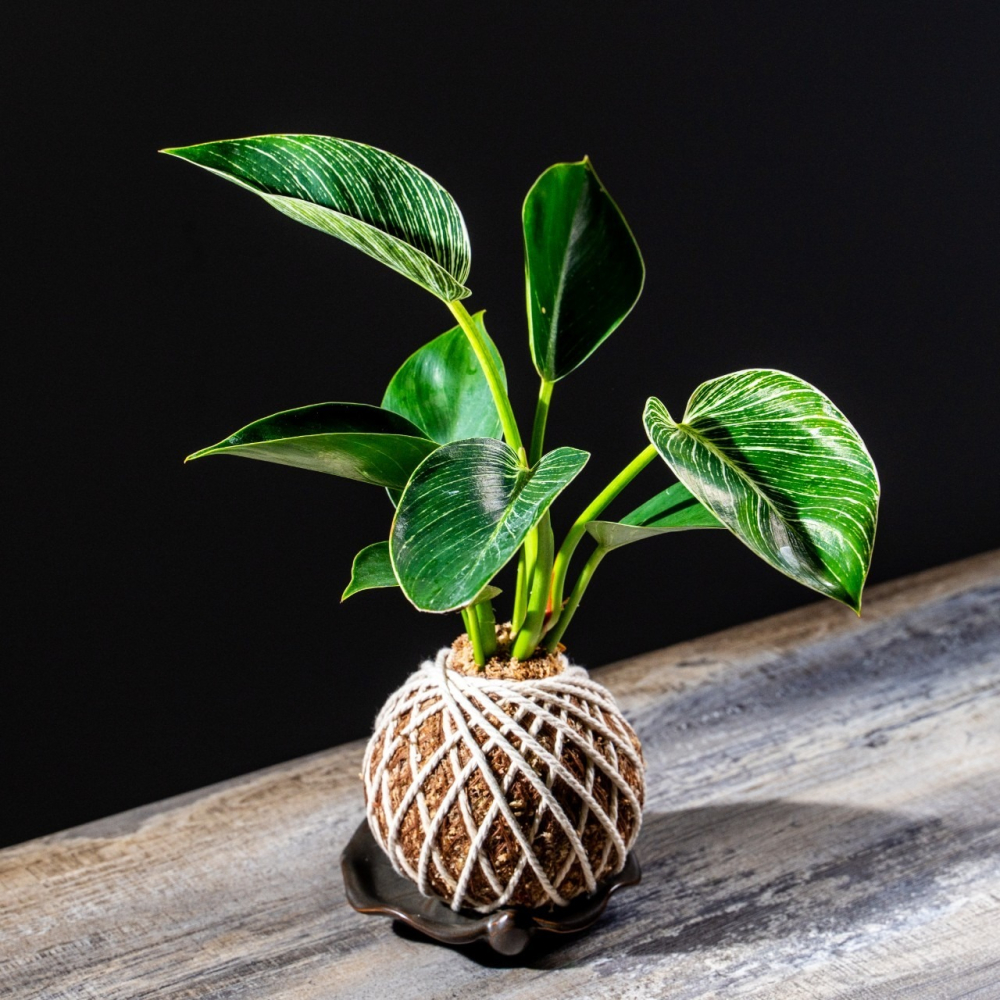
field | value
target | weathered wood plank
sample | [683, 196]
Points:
[822, 822]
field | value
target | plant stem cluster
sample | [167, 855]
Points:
[758, 452]
[541, 614]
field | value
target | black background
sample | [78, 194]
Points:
[813, 187]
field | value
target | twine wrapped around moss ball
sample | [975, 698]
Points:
[493, 792]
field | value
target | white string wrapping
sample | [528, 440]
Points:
[496, 709]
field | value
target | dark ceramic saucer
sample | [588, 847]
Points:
[373, 886]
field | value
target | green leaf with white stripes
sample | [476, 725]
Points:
[373, 200]
[372, 569]
[783, 469]
[443, 390]
[675, 509]
[583, 269]
[465, 512]
[351, 440]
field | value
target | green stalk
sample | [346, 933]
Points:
[538, 598]
[525, 564]
[492, 373]
[487, 628]
[529, 555]
[484, 639]
[521, 591]
[475, 636]
[579, 528]
[556, 634]
[541, 418]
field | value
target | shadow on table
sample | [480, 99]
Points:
[747, 872]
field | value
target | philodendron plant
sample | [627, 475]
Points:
[759, 452]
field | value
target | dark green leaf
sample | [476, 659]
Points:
[352, 440]
[373, 200]
[783, 469]
[443, 390]
[372, 568]
[675, 509]
[583, 269]
[465, 512]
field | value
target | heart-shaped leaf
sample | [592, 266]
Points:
[372, 569]
[583, 268]
[675, 509]
[373, 200]
[465, 512]
[352, 440]
[443, 390]
[783, 469]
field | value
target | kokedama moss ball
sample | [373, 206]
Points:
[489, 791]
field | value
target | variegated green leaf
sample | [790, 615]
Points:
[352, 440]
[783, 469]
[373, 200]
[675, 509]
[372, 569]
[443, 390]
[465, 512]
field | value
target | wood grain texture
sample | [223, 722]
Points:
[822, 821]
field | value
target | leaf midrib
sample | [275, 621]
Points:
[324, 434]
[561, 287]
[524, 476]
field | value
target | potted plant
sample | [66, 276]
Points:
[499, 774]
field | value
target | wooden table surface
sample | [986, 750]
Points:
[822, 821]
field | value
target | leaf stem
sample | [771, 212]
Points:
[530, 633]
[500, 398]
[521, 591]
[556, 634]
[529, 553]
[487, 628]
[541, 418]
[526, 562]
[579, 528]
[472, 629]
